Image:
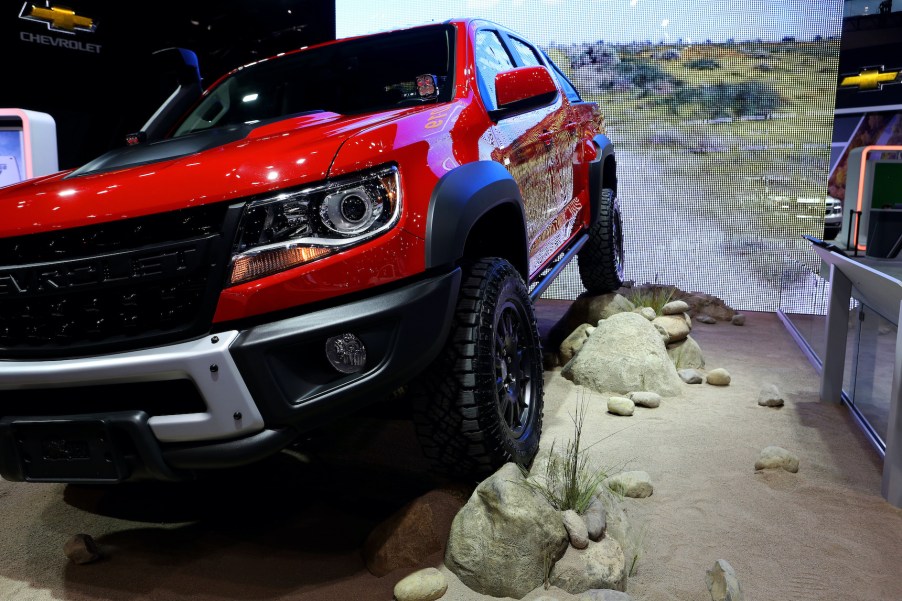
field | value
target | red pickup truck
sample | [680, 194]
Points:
[310, 233]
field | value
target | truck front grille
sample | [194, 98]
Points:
[113, 286]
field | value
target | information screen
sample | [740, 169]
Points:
[11, 155]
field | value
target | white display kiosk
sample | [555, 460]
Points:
[27, 145]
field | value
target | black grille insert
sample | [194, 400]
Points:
[167, 397]
[113, 286]
[113, 236]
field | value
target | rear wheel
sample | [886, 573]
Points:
[601, 258]
[480, 404]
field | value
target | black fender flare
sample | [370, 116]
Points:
[602, 173]
[461, 197]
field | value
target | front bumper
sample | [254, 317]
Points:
[258, 389]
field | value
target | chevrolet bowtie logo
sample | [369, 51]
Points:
[57, 18]
[872, 78]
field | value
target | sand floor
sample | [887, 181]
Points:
[292, 527]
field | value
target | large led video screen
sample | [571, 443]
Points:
[721, 114]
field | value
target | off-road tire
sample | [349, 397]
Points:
[601, 258]
[480, 403]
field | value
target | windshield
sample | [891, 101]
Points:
[358, 76]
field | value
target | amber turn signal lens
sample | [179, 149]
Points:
[249, 266]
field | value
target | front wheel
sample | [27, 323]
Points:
[480, 404]
[601, 258]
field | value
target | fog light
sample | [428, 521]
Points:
[346, 353]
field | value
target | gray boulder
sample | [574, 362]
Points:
[676, 326]
[686, 354]
[738, 320]
[591, 309]
[636, 484]
[619, 405]
[618, 525]
[572, 343]
[722, 582]
[676, 307]
[576, 529]
[595, 519]
[776, 458]
[770, 396]
[650, 400]
[502, 538]
[601, 565]
[423, 585]
[624, 354]
[691, 376]
[719, 377]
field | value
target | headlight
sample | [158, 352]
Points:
[303, 225]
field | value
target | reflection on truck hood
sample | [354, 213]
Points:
[214, 166]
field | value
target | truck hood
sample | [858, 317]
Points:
[214, 166]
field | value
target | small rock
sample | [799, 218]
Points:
[675, 326]
[738, 320]
[646, 312]
[650, 400]
[719, 377]
[604, 594]
[777, 457]
[595, 519]
[619, 405]
[675, 307]
[770, 396]
[704, 318]
[636, 485]
[425, 585]
[82, 549]
[722, 582]
[576, 528]
[691, 376]
[601, 565]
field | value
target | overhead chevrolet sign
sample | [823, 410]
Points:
[57, 18]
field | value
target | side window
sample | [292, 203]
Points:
[527, 55]
[491, 59]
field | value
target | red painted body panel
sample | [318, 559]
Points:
[392, 257]
[546, 150]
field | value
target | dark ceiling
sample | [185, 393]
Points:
[98, 97]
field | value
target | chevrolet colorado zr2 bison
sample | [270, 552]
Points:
[307, 235]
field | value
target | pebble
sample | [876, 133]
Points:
[619, 405]
[691, 376]
[82, 549]
[719, 377]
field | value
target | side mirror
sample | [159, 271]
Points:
[522, 89]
